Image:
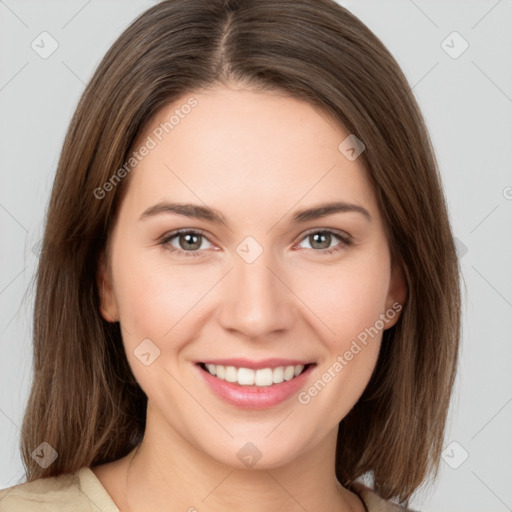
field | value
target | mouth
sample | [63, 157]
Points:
[255, 385]
[261, 377]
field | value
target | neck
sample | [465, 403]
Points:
[165, 472]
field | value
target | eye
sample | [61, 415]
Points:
[321, 239]
[189, 240]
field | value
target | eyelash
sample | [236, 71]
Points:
[346, 241]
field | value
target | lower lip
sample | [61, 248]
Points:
[255, 397]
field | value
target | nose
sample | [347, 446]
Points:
[256, 299]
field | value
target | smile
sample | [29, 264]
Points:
[261, 377]
[253, 384]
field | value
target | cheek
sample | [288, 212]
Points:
[345, 298]
[158, 302]
[352, 311]
[154, 294]
[155, 297]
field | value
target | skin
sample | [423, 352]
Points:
[291, 302]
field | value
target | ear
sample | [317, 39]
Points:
[397, 293]
[108, 303]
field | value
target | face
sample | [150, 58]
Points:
[252, 281]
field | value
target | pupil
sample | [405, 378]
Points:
[189, 237]
[323, 235]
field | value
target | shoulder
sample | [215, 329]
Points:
[42, 494]
[79, 491]
[374, 502]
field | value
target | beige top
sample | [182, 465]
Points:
[83, 492]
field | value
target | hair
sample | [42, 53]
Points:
[83, 390]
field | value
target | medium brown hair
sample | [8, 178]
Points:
[85, 401]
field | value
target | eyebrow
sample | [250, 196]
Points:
[212, 215]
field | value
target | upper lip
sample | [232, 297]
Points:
[256, 365]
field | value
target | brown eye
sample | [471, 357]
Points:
[189, 242]
[321, 240]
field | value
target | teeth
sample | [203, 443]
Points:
[248, 377]
[231, 374]
[278, 375]
[264, 377]
[221, 372]
[245, 376]
[289, 372]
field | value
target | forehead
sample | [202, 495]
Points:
[233, 149]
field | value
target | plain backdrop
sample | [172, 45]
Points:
[456, 55]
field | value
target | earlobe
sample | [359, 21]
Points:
[397, 293]
[108, 304]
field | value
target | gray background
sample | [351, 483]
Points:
[467, 103]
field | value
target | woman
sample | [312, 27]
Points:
[253, 368]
